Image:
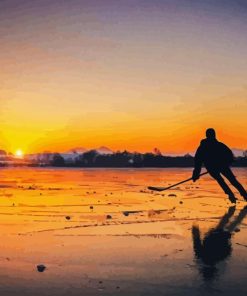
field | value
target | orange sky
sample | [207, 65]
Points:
[131, 77]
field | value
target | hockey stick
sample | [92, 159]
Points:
[165, 188]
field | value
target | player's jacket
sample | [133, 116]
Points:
[213, 154]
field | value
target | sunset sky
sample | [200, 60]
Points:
[126, 74]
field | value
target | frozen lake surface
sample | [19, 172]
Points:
[101, 232]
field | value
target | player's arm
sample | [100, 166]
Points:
[198, 161]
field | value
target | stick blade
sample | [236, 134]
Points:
[156, 188]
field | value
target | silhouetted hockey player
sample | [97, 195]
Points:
[217, 158]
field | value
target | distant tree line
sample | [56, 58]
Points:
[137, 160]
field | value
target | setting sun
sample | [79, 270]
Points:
[19, 153]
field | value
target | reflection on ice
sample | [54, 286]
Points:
[216, 246]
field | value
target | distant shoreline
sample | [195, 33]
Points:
[125, 159]
[106, 167]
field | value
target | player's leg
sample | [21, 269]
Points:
[227, 172]
[217, 176]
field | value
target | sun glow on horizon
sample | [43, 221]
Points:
[19, 153]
